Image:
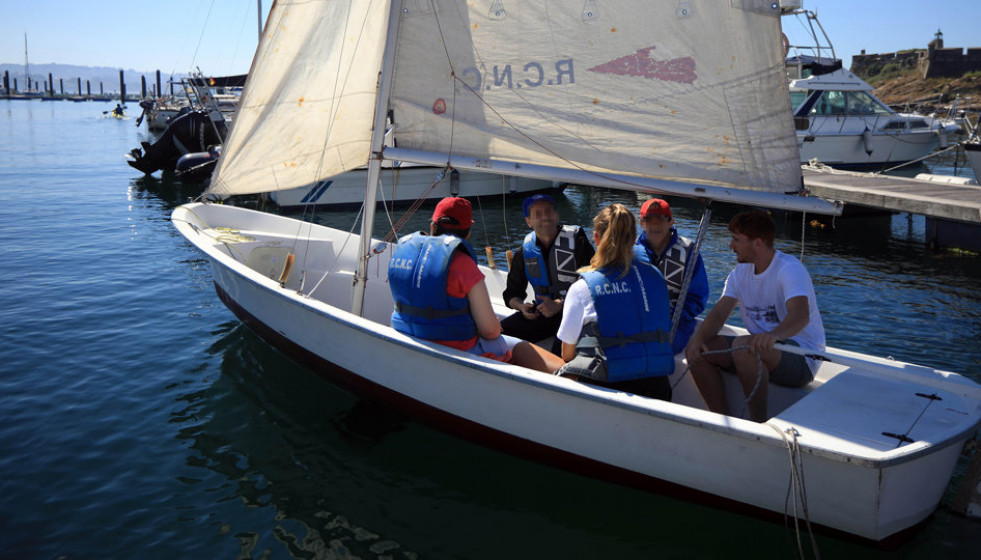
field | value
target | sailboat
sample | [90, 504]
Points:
[673, 98]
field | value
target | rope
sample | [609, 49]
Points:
[803, 224]
[796, 487]
[797, 490]
[392, 234]
[759, 375]
[483, 224]
[930, 155]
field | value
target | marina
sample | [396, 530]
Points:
[132, 395]
[202, 359]
[953, 210]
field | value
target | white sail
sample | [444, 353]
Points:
[694, 91]
[307, 109]
[679, 90]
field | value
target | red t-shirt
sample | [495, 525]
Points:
[462, 276]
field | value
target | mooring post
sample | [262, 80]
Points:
[122, 88]
[159, 91]
[968, 498]
[142, 87]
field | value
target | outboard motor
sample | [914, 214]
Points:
[190, 132]
[197, 166]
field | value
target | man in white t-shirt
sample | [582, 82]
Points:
[777, 303]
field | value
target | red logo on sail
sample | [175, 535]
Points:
[641, 64]
[439, 106]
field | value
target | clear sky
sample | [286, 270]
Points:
[220, 36]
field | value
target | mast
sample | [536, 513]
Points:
[27, 70]
[375, 159]
[259, 13]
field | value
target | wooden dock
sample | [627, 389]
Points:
[960, 203]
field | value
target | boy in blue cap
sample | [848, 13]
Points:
[548, 259]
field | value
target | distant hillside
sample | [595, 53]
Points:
[898, 84]
[70, 73]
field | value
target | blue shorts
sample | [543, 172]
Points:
[498, 348]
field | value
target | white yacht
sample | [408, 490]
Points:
[841, 123]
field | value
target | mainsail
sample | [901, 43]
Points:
[666, 89]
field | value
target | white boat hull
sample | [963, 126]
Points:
[857, 480]
[973, 151]
[407, 184]
[830, 143]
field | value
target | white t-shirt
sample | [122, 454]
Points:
[763, 298]
[577, 311]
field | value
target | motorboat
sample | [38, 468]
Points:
[839, 120]
[841, 123]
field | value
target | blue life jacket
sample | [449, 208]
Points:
[417, 275]
[633, 321]
[671, 264]
[552, 281]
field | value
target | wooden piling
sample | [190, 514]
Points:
[122, 88]
[142, 87]
[159, 91]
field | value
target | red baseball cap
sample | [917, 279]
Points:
[453, 213]
[654, 207]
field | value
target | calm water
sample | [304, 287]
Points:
[138, 418]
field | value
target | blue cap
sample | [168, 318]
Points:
[536, 198]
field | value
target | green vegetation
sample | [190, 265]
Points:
[888, 72]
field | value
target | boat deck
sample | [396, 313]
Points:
[898, 194]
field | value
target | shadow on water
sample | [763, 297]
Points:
[167, 188]
[320, 471]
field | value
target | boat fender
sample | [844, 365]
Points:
[942, 134]
[867, 140]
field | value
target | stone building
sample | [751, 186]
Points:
[934, 62]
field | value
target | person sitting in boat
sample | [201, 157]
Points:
[118, 111]
[616, 325]
[777, 304]
[548, 259]
[440, 294]
[660, 245]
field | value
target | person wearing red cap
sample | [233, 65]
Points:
[548, 259]
[440, 294]
[660, 245]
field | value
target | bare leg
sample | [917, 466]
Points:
[750, 372]
[532, 356]
[708, 379]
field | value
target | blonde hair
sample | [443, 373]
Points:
[617, 230]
